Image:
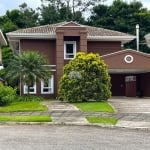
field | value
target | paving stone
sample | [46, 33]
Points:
[65, 113]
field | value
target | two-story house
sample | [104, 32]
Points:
[60, 42]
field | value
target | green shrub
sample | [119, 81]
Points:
[7, 95]
[85, 78]
[27, 98]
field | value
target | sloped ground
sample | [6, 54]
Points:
[132, 112]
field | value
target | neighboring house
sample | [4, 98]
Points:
[147, 37]
[2, 43]
[60, 42]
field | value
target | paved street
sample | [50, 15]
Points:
[45, 137]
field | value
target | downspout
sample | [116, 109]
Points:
[21, 88]
[137, 36]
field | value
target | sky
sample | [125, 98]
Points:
[14, 4]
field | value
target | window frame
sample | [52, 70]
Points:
[50, 86]
[74, 49]
[25, 89]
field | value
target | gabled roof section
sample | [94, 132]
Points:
[70, 24]
[49, 31]
[131, 51]
[127, 61]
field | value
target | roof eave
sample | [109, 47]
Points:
[127, 71]
[3, 41]
[30, 36]
[126, 50]
[123, 39]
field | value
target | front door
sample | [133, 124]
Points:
[130, 86]
[118, 84]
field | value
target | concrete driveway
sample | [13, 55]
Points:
[132, 112]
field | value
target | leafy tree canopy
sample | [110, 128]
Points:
[19, 18]
[123, 16]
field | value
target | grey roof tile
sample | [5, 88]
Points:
[51, 28]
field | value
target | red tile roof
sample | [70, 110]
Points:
[51, 28]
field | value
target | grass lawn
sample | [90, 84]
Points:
[25, 118]
[102, 120]
[95, 107]
[23, 106]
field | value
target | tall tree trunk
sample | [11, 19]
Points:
[73, 9]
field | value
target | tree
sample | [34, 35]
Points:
[53, 11]
[26, 67]
[75, 5]
[28, 15]
[9, 21]
[7, 55]
[49, 15]
[123, 16]
[19, 18]
[85, 78]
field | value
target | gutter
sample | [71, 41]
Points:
[124, 39]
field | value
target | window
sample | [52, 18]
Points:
[47, 87]
[69, 49]
[32, 89]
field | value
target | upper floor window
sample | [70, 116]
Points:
[47, 87]
[69, 49]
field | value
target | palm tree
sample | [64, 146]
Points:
[29, 67]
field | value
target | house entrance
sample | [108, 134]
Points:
[125, 85]
[130, 86]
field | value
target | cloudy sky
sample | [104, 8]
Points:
[12, 4]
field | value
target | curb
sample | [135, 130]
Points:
[75, 124]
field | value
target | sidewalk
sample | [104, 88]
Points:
[65, 113]
[131, 113]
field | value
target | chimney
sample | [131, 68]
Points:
[137, 36]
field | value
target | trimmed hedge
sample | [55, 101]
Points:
[7, 95]
[85, 78]
[29, 98]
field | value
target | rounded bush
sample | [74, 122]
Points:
[7, 95]
[85, 78]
